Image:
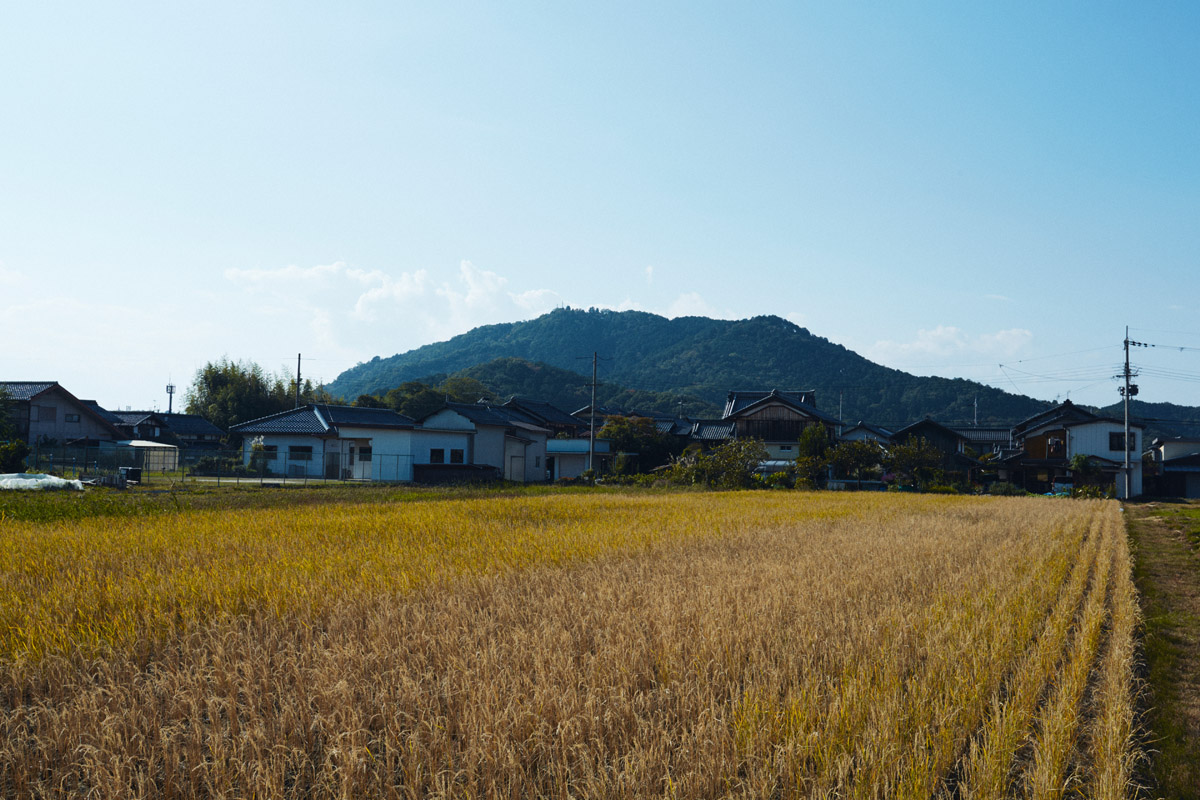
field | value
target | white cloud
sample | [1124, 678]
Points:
[946, 342]
[1002, 298]
[649, 274]
[691, 304]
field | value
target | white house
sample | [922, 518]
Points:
[330, 441]
[1050, 440]
[494, 435]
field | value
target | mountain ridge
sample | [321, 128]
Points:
[704, 358]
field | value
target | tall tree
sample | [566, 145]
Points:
[227, 392]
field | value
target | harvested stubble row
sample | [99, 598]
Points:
[694, 645]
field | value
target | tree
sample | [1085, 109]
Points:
[8, 428]
[225, 393]
[852, 459]
[730, 465]
[638, 435]
[811, 461]
[369, 401]
[414, 399]
[915, 461]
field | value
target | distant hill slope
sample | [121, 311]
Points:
[700, 357]
[1160, 419]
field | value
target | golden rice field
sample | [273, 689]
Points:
[766, 644]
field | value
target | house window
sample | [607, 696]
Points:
[456, 456]
[270, 451]
[1056, 448]
[300, 453]
[364, 454]
[437, 455]
[1116, 441]
[71, 417]
[537, 461]
[785, 447]
[44, 413]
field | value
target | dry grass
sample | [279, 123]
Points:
[757, 645]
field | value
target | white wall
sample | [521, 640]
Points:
[1170, 449]
[1093, 439]
[425, 440]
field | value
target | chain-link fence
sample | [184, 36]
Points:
[148, 465]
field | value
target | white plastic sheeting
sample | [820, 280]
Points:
[36, 481]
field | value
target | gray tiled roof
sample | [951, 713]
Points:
[984, 435]
[802, 401]
[303, 420]
[322, 419]
[191, 425]
[102, 412]
[713, 430]
[26, 390]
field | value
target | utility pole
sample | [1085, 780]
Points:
[1127, 391]
[297, 380]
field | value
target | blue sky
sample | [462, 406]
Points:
[942, 187]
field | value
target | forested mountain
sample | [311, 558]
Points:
[1160, 419]
[693, 357]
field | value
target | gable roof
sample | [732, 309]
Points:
[29, 390]
[915, 428]
[321, 419]
[497, 415]
[867, 426]
[543, 412]
[1064, 411]
[987, 435]
[102, 412]
[740, 402]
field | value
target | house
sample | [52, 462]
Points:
[775, 417]
[1177, 464]
[331, 441]
[43, 412]
[144, 425]
[866, 432]
[1049, 440]
[193, 432]
[949, 442]
[188, 431]
[985, 440]
[492, 435]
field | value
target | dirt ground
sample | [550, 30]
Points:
[1166, 542]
